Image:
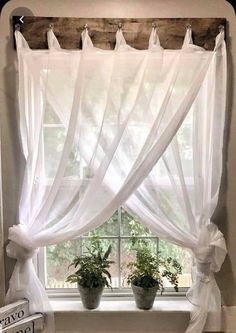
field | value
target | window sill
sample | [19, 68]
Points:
[165, 304]
[121, 316]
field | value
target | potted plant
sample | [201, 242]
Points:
[92, 273]
[147, 274]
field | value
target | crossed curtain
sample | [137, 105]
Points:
[123, 113]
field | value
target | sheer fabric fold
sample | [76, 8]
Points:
[119, 114]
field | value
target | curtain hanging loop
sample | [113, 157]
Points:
[86, 40]
[154, 38]
[120, 40]
[221, 28]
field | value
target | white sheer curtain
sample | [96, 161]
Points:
[179, 197]
[117, 112]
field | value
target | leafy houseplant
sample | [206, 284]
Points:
[147, 274]
[92, 273]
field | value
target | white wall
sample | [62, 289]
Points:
[12, 164]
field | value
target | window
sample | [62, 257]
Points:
[117, 231]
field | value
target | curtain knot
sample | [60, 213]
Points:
[203, 271]
[19, 252]
[209, 254]
[20, 246]
[211, 249]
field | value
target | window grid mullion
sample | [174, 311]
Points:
[158, 243]
[119, 247]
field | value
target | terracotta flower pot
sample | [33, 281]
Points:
[90, 297]
[144, 298]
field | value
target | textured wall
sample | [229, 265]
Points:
[12, 164]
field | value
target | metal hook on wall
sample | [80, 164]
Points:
[221, 28]
[188, 26]
[51, 26]
[120, 25]
[17, 26]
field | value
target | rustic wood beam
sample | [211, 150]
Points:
[102, 31]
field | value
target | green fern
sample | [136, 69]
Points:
[92, 267]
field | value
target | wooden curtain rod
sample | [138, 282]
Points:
[102, 30]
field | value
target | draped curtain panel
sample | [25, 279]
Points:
[123, 114]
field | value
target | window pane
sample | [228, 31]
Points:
[58, 258]
[184, 258]
[114, 269]
[109, 228]
[132, 226]
[128, 255]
